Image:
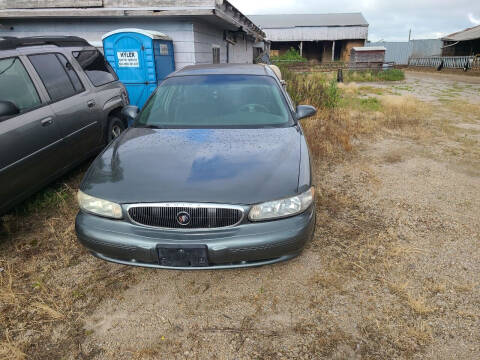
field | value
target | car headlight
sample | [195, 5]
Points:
[282, 208]
[98, 206]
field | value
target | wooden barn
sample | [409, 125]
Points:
[367, 57]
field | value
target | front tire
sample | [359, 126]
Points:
[115, 128]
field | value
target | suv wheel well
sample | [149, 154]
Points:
[117, 112]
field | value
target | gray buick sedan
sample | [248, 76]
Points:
[214, 174]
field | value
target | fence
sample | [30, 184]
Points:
[448, 62]
[305, 66]
[400, 52]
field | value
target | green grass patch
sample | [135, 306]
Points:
[372, 75]
[292, 55]
[362, 103]
[48, 198]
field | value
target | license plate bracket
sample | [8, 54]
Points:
[183, 256]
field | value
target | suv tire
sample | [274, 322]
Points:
[115, 128]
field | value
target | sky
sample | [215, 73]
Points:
[390, 20]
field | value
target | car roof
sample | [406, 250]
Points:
[224, 69]
[11, 43]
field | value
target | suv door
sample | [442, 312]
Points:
[73, 104]
[30, 140]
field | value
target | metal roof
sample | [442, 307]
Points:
[299, 20]
[464, 35]
[369, 48]
[224, 69]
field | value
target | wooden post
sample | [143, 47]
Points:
[333, 50]
[301, 48]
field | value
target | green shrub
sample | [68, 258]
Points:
[291, 55]
[314, 89]
[332, 93]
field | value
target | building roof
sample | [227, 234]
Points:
[464, 35]
[224, 69]
[310, 20]
[220, 12]
[369, 48]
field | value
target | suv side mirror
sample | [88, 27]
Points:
[304, 111]
[8, 108]
[129, 113]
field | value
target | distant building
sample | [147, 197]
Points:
[318, 37]
[367, 57]
[462, 43]
[203, 31]
[401, 52]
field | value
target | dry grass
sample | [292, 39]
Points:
[47, 282]
[403, 111]
[333, 132]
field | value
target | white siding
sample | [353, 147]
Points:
[242, 51]
[317, 33]
[181, 32]
[207, 35]
[192, 39]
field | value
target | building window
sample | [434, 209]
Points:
[216, 54]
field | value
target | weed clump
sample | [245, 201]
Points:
[372, 75]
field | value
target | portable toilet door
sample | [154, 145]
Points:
[141, 59]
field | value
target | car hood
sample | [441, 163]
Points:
[232, 166]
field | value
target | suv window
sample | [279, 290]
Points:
[95, 66]
[56, 75]
[77, 84]
[16, 85]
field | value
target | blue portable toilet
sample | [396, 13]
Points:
[141, 59]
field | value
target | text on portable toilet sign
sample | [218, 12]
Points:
[127, 59]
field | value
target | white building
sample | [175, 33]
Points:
[198, 28]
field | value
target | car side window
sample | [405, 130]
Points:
[16, 85]
[95, 66]
[55, 76]
[72, 74]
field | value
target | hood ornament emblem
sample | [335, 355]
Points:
[183, 218]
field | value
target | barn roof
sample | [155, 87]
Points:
[369, 48]
[464, 35]
[302, 20]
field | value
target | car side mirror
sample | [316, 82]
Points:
[304, 111]
[8, 108]
[130, 113]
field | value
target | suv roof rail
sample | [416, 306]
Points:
[10, 42]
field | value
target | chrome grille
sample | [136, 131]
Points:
[202, 216]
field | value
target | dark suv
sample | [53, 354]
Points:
[60, 103]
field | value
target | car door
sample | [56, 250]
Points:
[29, 140]
[72, 102]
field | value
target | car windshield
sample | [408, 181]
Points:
[216, 101]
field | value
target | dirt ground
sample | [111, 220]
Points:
[392, 272]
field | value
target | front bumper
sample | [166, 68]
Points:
[245, 245]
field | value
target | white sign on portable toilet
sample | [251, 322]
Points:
[127, 59]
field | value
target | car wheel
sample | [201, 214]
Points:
[115, 128]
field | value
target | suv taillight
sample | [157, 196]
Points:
[125, 99]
